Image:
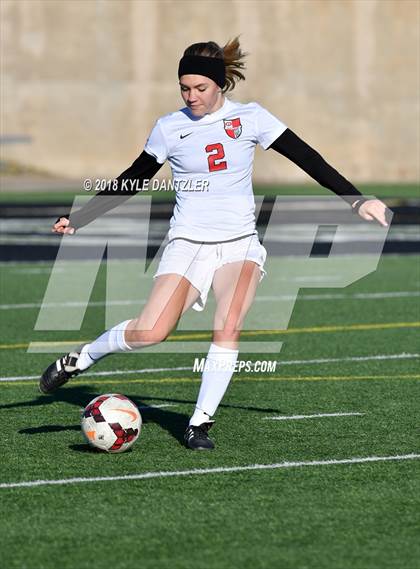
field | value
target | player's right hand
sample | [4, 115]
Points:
[62, 226]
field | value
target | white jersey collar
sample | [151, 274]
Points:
[210, 117]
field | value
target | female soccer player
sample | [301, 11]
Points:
[212, 238]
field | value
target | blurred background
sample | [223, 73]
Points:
[83, 81]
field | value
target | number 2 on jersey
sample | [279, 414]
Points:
[215, 159]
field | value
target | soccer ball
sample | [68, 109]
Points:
[111, 422]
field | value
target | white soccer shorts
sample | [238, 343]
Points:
[198, 262]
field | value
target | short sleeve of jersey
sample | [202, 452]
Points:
[268, 127]
[156, 144]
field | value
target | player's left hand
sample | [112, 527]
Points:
[372, 210]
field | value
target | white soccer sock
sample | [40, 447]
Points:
[110, 342]
[218, 371]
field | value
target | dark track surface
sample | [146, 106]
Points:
[38, 244]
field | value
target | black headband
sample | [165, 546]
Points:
[212, 67]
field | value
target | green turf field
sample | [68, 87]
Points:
[349, 510]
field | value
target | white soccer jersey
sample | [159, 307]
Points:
[211, 159]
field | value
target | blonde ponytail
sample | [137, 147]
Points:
[233, 57]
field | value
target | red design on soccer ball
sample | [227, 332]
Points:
[123, 435]
[93, 410]
[106, 425]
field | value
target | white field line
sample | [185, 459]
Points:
[316, 416]
[281, 297]
[157, 406]
[35, 271]
[402, 356]
[72, 304]
[22, 264]
[341, 296]
[218, 470]
[105, 373]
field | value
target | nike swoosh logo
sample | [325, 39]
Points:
[132, 414]
[181, 136]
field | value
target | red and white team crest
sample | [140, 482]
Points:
[233, 127]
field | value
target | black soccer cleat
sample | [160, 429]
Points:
[196, 438]
[59, 372]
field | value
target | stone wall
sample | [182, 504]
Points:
[86, 79]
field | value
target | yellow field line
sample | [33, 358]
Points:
[315, 329]
[246, 333]
[245, 379]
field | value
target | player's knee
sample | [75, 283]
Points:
[147, 337]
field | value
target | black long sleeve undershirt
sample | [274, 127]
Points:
[143, 168]
[295, 149]
[146, 166]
